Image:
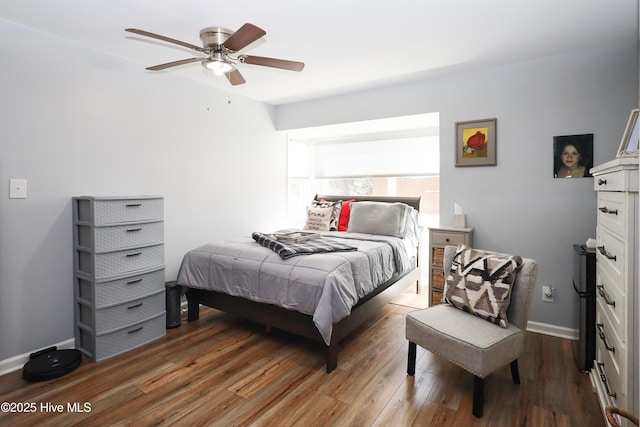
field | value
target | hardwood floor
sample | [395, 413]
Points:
[223, 371]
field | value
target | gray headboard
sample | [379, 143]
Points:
[411, 201]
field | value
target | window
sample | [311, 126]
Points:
[398, 163]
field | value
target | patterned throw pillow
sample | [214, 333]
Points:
[480, 283]
[318, 218]
[335, 214]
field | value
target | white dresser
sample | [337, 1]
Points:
[119, 289]
[615, 369]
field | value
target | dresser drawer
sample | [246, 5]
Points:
[608, 375]
[437, 295]
[612, 211]
[125, 339]
[611, 181]
[114, 211]
[437, 279]
[128, 236]
[117, 263]
[104, 294]
[610, 252]
[614, 365]
[134, 311]
[444, 239]
[113, 292]
[611, 304]
[607, 335]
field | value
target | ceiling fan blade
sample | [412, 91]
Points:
[272, 62]
[235, 78]
[163, 38]
[245, 35]
[173, 64]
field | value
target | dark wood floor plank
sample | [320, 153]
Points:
[224, 371]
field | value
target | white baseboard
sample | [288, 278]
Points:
[553, 330]
[17, 362]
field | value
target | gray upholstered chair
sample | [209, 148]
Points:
[471, 342]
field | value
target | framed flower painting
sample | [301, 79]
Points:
[476, 143]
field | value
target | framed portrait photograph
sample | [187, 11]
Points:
[572, 156]
[476, 143]
[629, 144]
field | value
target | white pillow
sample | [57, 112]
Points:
[318, 218]
[386, 219]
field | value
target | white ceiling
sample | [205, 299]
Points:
[346, 45]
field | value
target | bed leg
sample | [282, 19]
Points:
[193, 310]
[332, 357]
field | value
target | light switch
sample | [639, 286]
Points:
[17, 188]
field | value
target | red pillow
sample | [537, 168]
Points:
[345, 213]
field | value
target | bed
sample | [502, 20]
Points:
[322, 297]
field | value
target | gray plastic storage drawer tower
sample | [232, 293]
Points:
[118, 247]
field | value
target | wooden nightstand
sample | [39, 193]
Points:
[439, 237]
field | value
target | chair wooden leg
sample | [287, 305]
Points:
[478, 396]
[411, 361]
[515, 374]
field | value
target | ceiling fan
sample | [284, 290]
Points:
[219, 44]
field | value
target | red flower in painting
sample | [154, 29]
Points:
[476, 141]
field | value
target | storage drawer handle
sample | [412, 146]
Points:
[135, 306]
[604, 338]
[133, 205]
[604, 209]
[603, 378]
[605, 253]
[135, 330]
[131, 230]
[602, 182]
[131, 282]
[134, 254]
[604, 295]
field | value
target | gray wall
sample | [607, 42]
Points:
[517, 206]
[76, 122]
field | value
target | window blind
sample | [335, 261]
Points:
[388, 157]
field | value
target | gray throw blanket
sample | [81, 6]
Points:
[288, 250]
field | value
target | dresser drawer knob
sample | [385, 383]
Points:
[603, 337]
[607, 211]
[131, 230]
[602, 182]
[135, 330]
[605, 253]
[131, 307]
[134, 254]
[137, 205]
[132, 282]
[604, 295]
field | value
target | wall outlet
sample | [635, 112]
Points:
[548, 293]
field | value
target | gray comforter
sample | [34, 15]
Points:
[326, 285]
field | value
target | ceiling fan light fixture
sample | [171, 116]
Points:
[218, 65]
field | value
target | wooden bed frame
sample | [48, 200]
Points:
[302, 324]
